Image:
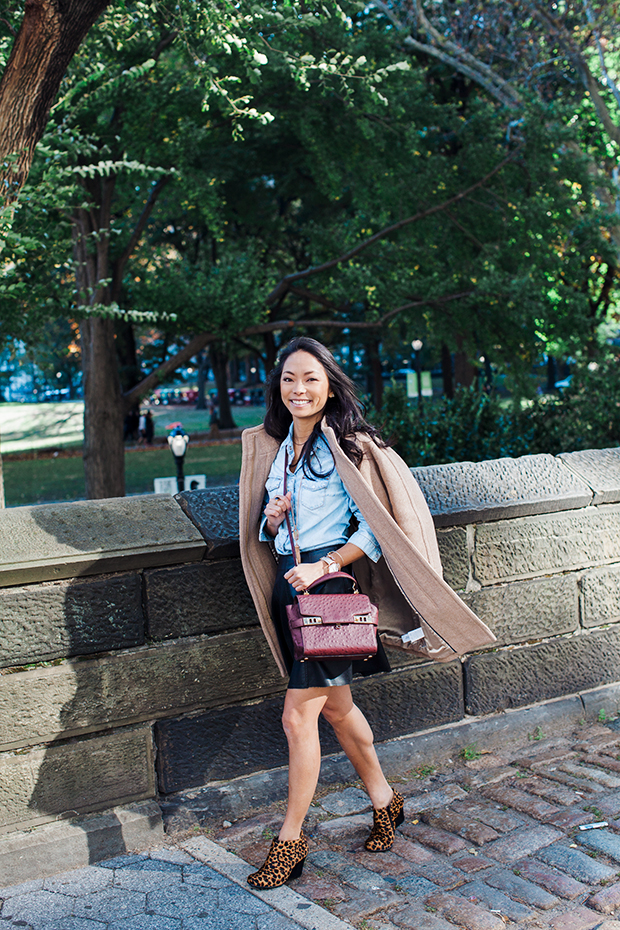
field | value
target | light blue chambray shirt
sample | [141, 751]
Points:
[322, 507]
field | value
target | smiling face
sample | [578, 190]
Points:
[304, 388]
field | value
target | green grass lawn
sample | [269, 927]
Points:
[37, 481]
[26, 427]
[40, 480]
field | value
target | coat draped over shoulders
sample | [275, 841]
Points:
[406, 583]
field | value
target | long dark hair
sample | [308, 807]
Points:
[344, 412]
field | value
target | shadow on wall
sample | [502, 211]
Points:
[97, 752]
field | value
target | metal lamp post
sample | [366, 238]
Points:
[178, 440]
[416, 345]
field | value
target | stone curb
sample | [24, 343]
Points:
[66, 845]
[235, 799]
[288, 902]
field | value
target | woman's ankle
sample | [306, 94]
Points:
[289, 834]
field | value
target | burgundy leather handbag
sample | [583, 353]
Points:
[330, 626]
[333, 626]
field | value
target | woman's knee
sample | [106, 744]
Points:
[339, 708]
[300, 719]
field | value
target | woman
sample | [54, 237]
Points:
[338, 473]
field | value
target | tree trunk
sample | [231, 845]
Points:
[219, 360]
[104, 455]
[50, 34]
[201, 358]
[271, 352]
[125, 341]
[375, 373]
[1, 486]
[464, 371]
[446, 371]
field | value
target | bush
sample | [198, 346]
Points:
[585, 416]
[471, 427]
[474, 426]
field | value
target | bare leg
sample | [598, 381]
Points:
[355, 736]
[302, 708]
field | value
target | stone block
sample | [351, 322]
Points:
[521, 801]
[601, 841]
[454, 551]
[521, 843]
[606, 901]
[520, 889]
[599, 469]
[446, 819]
[499, 680]
[531, 546]
[42, 704]
[57, 619]
[75, 777]
[204, 597]
[576, 863]
[465, 914]
[473, 492]
[578, 918]
[54, 541]
[444, 842]
[478, 892]
[600, 596]
[215, 512]
[552, 880]
[62, 846]
[526, 610]
[223, 743]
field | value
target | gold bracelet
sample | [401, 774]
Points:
[337, 557]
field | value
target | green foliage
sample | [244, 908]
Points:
[585, 416]
[472, 427]
[475, 426]
[470, 752]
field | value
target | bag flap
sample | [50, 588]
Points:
[331, 606]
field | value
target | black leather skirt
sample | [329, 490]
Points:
[316, 674]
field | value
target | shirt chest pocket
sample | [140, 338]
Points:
[273, 487]
[315, 493]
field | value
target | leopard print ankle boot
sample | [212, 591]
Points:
[386, 819]
[285, 860]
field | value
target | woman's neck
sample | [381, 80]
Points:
[301, 437]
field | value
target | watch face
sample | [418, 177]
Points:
[333, 567]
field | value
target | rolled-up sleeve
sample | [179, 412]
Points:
[363, 536]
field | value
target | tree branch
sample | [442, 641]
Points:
[460, 59]
[121, 261]
[283, 286]
[193, 347]
[601, 54]
[590, 83]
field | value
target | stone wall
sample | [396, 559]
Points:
[132, 665]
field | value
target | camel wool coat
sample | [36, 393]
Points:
[406, 583]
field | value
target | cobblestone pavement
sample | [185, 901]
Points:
[491, 842]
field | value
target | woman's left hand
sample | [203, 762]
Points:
[301, 576]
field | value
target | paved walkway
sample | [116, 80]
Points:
[492, 841]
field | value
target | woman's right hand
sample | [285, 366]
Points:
[275, 511]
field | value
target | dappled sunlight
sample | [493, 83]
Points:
[39, 426]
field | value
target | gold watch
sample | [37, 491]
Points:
[331, 565]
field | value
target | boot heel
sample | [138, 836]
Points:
[297, 870]
[400, 819]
